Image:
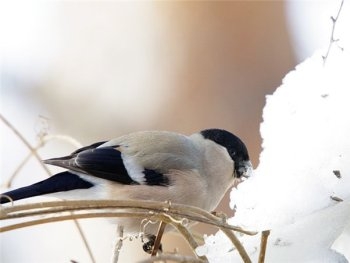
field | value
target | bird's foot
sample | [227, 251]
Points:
[148, 246]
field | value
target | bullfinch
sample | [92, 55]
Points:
[194, 170]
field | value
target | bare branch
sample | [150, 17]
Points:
[332, 39]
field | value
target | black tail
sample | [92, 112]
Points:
[60, 182]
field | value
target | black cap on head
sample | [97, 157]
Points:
[235, 147]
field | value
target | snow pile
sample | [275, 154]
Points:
[306, 147]
[307, 240]
[304, 169]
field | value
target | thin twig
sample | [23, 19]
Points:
[118, 244]
[33, 151]
[185, 211]
[8, 182]
[42, 143]
[71, 216]
[163, 217]
[83, 238]
[263, 244]
[173, 258]
[235, 241]
[178, 224]
[332, 39]
[157, 208]
[25, 142]
[158, 239]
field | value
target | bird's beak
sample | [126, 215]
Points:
[246, 169]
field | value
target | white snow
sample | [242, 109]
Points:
[305, 161]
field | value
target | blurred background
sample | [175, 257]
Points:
[96, 70]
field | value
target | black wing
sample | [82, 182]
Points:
[103, 162]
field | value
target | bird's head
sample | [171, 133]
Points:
[235, 148]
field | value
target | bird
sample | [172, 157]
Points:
[193, 170]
